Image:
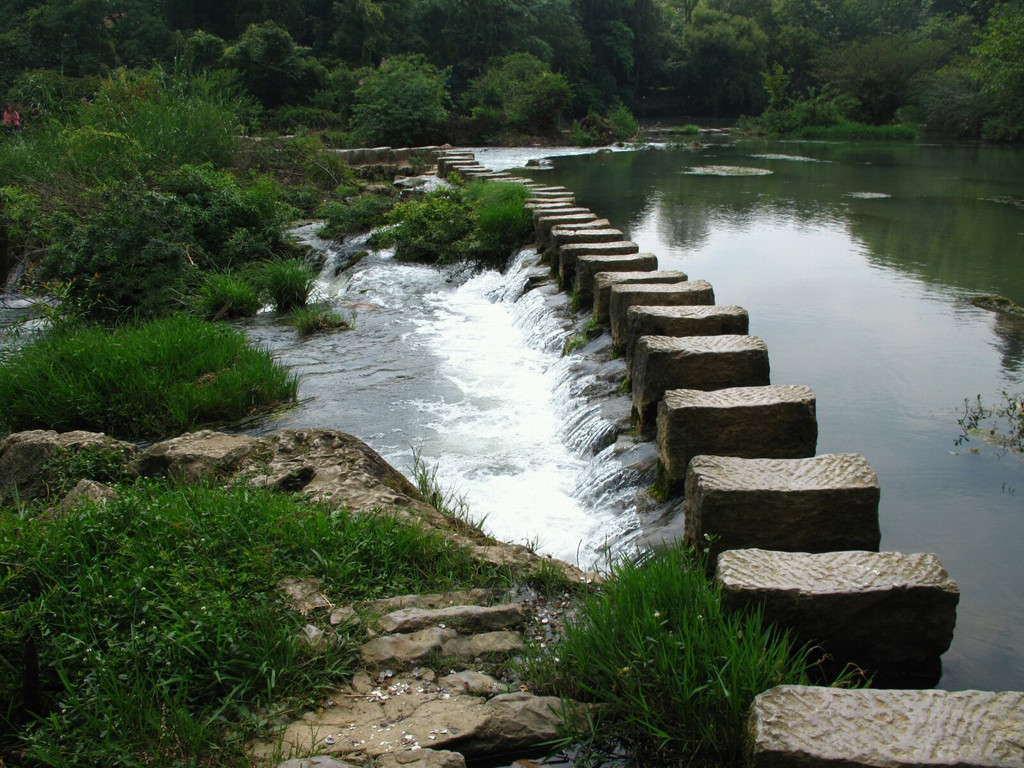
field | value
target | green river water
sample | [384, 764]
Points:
[856, 263]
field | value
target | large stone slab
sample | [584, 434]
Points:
[693, 362]
[603, 282]
[589, 265]
[819, 504]
[545, 221]
[775, 422]
[565, 235]
[568, 254]
[808, 727]
[889, 613]
[626, 295]
[728, 320]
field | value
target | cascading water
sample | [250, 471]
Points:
[467, 371]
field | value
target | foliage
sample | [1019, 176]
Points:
[401, 104]
[482, 221]
[288, 282]
[139, 380]
[317, 319]
[1002, 424]
[998, 66]
[148, 630]
[672, 671]
[517, 91]
[824, 109]
[273, 68]
[623, 124]
[359, 213]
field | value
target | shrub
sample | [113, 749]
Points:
[227, 296]
[502, 220]
[356, 214]
[624, 125]
[140, 380]
[518, 91]
[288, 282]
[149, 631]
[672, 671]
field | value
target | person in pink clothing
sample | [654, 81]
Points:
[12, 120]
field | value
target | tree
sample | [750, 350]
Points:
[519, 91]
[999, 68]
[273, 68]
[401, 104]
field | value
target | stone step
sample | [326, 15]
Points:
[819, 504]
[465, 618]
[588, 265]
[545, 221]
[550, 191]
[565, 235]
[891, 614]
[445, 162]
[626, 295]
[420, 646]
[711, 320]
[603, 282]
[774, 422]
[812, 727]
[568, 254]
[693, 362]
[556, 204]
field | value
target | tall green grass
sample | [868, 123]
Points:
[149, 632]
[226, 296]
[140, 380]
[674, 672]
[288, 283]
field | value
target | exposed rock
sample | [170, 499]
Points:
[319, 761]
[514, 721]
[824, 727]
[475, 683]
[304, 594]
[87, 491]
[195, 456]
[421, 758]
[344, 615]
[435, 600]
[466, 618]
[419, 646]
[23, 456]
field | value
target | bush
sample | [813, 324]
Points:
[502, 220]
[624, 125]
[402, 104]
[288, 282]
[356, 214]
[672, 671]
[148, 630]
[140, 380]
[318, 319]
[518, 91]
[227, 296]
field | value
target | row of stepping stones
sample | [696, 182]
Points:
[791, 531]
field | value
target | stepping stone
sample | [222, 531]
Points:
[693, 362]
[557, 204]
[812, 727]
[421, 645]
[626, 295]
[603, 282]
[446, 162]
[820, 504]
[588, 265]
[889, 613]
[567, 255]
[466, 618]
[775, 422]
[565, 235]
[711, 320]
[545, 221]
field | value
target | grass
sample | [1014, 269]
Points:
[672, 671]
[318, 319]
[450, 502]
[148, 631]
[140, 380]
[356, 214]
[288, 282]
[227, 296]
[854, 131]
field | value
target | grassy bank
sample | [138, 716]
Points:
[139, 380]
[149, 632]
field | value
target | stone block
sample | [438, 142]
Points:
[445, 162]
[693, 362]
[555, 204]
[812, 727]
[545, 221]
[565, 235]
[626, 295]
[603, 282]
[710, 320]
[819, 504]
[889, 613]
[568, 254]
[588, 265]
[775, 422]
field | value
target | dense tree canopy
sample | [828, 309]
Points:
[953, 63]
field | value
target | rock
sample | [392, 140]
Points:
[85, 492]
[891, 614]
[304, 595]
[625, 295]
[419, 646]
[588, 265]
[776, 422]
[818, 504]
[344, 615]
[603, 282]
[544, 221]
[195, 456]
[661, 363]
[814, 727]
[465, 618]
[568, 254]
[514, 721]
[23, 456]
[475, 683]
[727, 320]
[432, 600]
[319, 761]
[421, 758]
